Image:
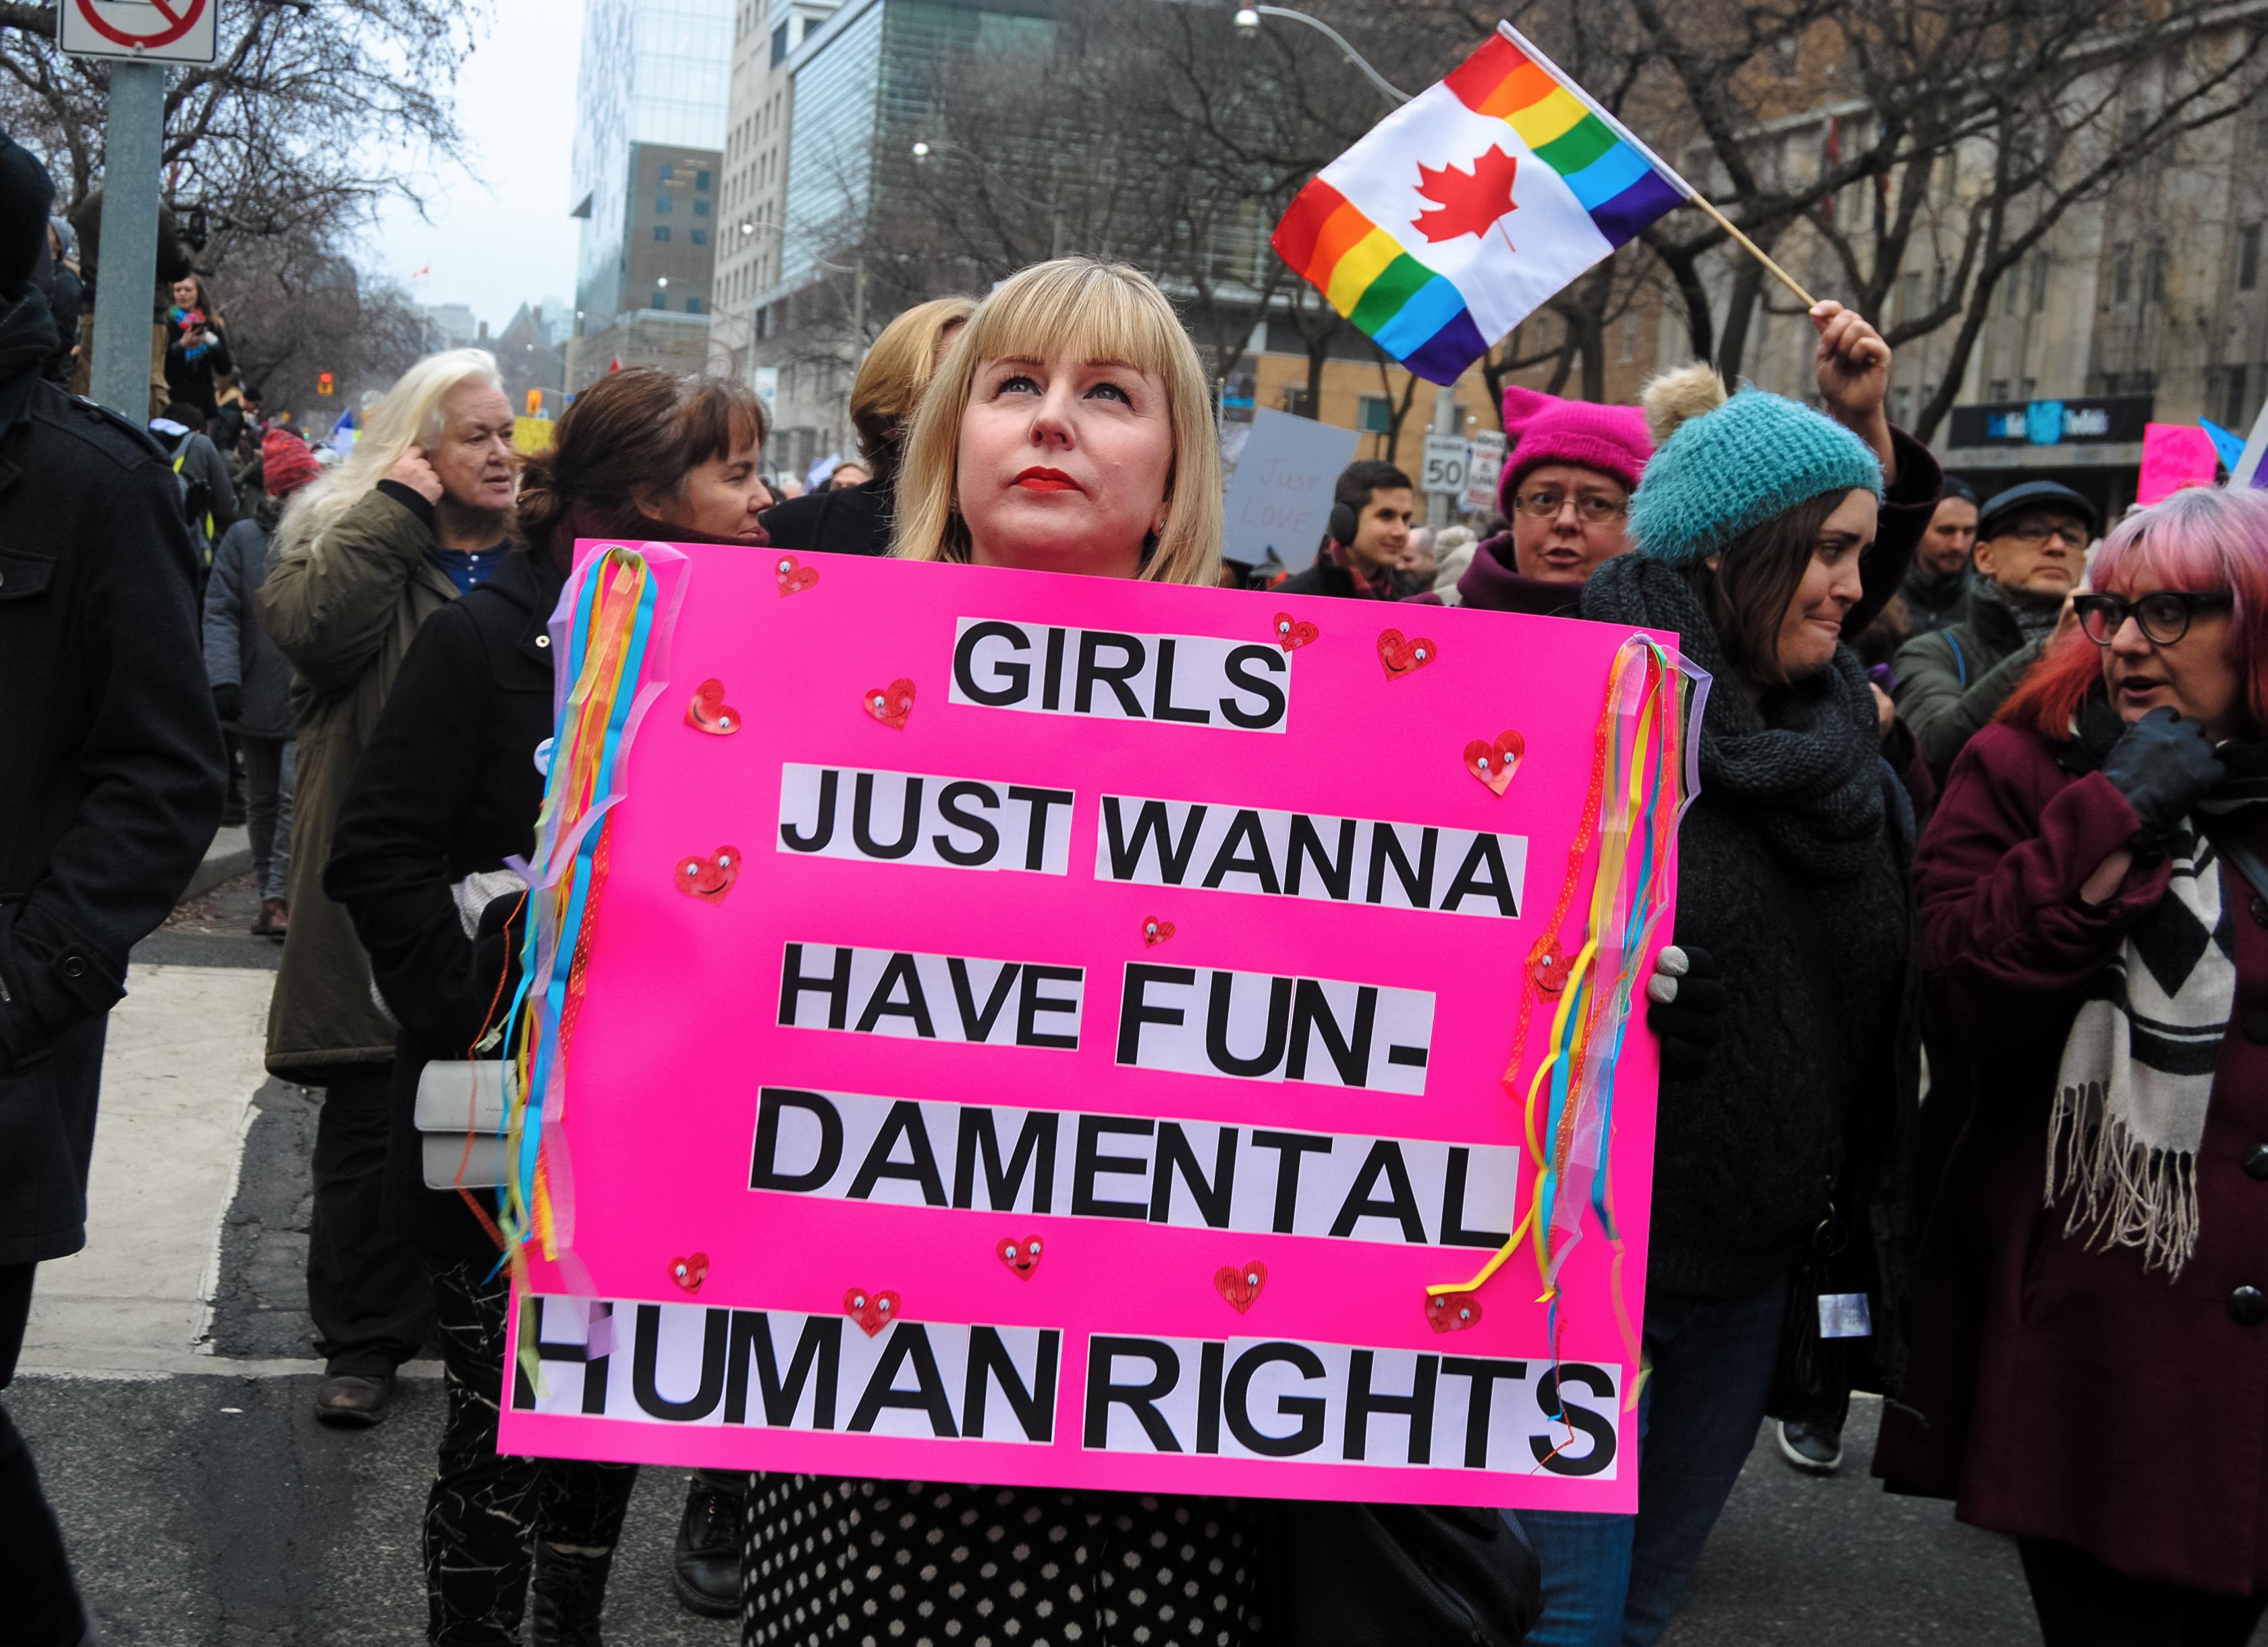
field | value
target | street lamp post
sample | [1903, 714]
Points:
[1445, 402]
[1247, 23]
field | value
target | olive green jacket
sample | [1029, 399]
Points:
[1953, 681]
[343, 607]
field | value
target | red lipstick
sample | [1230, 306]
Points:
[1045, 480]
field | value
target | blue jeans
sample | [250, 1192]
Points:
[1617, 1581]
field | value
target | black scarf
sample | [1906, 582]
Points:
[2035, 614]
[1806, 763]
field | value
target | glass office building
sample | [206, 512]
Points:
[653, 77]
[863, 87]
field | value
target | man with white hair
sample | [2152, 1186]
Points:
[412, 519]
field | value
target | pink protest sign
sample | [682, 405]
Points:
[2175, 455]
[1054, 1030]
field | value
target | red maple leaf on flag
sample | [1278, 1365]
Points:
[1466, 202]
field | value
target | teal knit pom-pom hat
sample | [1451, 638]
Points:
[1721, 467]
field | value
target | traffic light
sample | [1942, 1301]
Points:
[323, 383]
[534, 402]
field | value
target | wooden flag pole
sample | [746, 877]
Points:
[1753, 250]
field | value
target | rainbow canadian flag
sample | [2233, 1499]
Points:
[1466, 209]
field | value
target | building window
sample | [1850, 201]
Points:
[663, 203]
[700, 179]
[2028, 389]
[1997, 390]
[1629, 335]
[2232, 409]
[661, 231]
[1902, 407]
[1909, 295]
[666, 174]
[779, 45]
[1374, 415]
[2248, 257]
[693, 306]
[2039, 281]
[2122, 273]
[2155, 284]
[660, 301]
[701, 207]
[700, 236]
[2012, 291]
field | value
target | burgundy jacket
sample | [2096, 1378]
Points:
[2056, 1391]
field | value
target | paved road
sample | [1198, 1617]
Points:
[168, 1373]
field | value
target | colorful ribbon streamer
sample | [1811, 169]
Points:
[1644, 774]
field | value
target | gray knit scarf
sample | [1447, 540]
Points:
[2136, 1077]
[2036, 613]
[1806, 763]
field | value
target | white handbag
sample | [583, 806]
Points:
[460, 1119]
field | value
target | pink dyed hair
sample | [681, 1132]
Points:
[2201, 538]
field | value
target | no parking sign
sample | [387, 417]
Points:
[168, 30]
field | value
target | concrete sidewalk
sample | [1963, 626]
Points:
[182, 1063]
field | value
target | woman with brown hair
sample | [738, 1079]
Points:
[1069, 431]
[848, 518]
[1760, 533]
[447, 790]
[196, 347]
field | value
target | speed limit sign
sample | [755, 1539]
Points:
[162, 30]
[1445, 463]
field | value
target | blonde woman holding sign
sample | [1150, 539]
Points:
[1069, 430]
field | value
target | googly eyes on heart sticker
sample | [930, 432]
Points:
[1494, 763]
[1238, 1285]
[1020, 1255]
[689, 1271]
[892, 705]
[710, 712]
[1293, 633]
[872, 1310]
[793, 578]
[1452, 1312]
[710, 878]
[1399, 656]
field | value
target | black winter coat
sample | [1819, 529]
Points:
[111, 780]
[447, 788]
[855, 520]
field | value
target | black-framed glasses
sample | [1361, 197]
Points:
[1596, 510]
[2164, 616]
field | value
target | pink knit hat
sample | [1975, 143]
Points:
[1545, 429]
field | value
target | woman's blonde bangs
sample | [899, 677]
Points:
[1087, 310]
[1092, 311]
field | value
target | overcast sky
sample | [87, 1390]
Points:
[499, 233]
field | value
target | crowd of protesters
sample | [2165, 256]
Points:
[1964, 1015]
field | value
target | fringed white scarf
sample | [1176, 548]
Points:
[2138, 1067]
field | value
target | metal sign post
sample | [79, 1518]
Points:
[139, 36]
[126, 277]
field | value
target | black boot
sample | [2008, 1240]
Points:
[567, 1593]
[706, 1573]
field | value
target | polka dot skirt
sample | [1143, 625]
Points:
[856, 1563]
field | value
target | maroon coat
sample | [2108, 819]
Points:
[2058, 1391]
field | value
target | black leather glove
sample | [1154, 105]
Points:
[1685, 1009]
[228, 699]
[2163, 765]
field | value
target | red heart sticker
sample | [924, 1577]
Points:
[689, 1271]
[1156, 931]
[1452, 1312]
[793, 578]
[1241, 1284]
[1550, 970]
[872, 1310]
[1494, 763]
[1019, 1253]
[1400, 655]
[710, 878]
[710, 712]
[1292, 634]
[891, 705]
